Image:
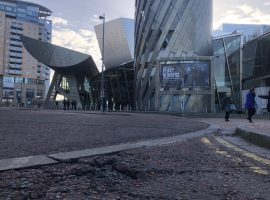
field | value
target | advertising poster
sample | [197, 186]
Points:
[185, 75]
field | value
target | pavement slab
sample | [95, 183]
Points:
[25, 162]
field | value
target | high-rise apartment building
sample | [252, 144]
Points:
[23, 80]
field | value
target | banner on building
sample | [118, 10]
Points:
[185, 75]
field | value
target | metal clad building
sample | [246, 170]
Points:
[73, 71]
[166, 29]
[119, 41]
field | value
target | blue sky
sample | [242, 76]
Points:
[75, 19]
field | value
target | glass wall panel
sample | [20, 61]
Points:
[227, 72]
[30, 93]
[256, 57]
[118, 87]
[189, 103]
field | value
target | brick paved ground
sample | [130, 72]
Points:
[34, 132]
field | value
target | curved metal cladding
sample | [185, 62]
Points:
[165, 29]
[119, 41]
[72, 68]
[60, 59]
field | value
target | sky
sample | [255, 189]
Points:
[74, 20]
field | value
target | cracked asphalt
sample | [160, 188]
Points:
[185, 170]
[199, 168]
[42, 132]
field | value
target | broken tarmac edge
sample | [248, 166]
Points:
[41, 160]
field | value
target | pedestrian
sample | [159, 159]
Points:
[75, 104]
[268, 98]
[227, 106]
[72, 105]
[68, 104]
[251, 104]
[56, 104]
[65, 104]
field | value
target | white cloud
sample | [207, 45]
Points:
[267, 4]
[246, 9]
[243, 14]
[86, 33]
[82, 40]
[59, 21]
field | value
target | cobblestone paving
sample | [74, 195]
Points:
[35, 132]
[186, 170]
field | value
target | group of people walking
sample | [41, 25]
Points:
[228, 107]
[67, 104]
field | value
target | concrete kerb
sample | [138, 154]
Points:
[25, 162]
[257, 138]
[40, 160]
[116, 148]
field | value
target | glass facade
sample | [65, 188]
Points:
[21, 11]
[256, 57]
[227, 68]
[256, 69]
[119, 88]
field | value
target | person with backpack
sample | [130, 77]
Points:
[227, 106]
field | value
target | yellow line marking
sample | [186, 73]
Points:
[206, 141]
[255, 169]
[243, 152]
[224, 153]
[259, 170]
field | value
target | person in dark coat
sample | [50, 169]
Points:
[72, 104]
[75, 104]
[65, 104]
[251, 104]
[268, 98]
[225, 105]
[68, 104]
[56, 104]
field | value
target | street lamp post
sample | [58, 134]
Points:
[102, 95]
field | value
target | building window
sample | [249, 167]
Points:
[8, 93]
[39, 94]
[9, 9]
[21, 10]
[8, 82]
[30, 81]
[30, 93]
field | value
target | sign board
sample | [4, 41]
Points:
[185, 75]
